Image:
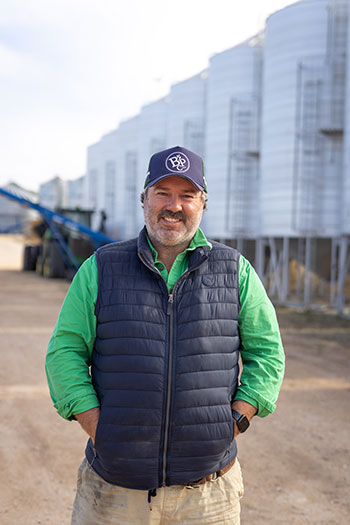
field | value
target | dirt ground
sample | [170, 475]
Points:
[295, 463]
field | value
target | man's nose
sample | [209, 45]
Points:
[174, 203]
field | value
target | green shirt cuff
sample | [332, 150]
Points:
[263, 406]
[83, 401]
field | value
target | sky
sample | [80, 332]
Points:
[72, 70]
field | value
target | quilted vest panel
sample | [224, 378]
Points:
[165, 367]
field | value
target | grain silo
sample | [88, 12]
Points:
[93, 176]
[152, 138]
[341, 249]
[53, 193]
[107, 207]
[101, 182]
[295, 47]
[346, 171]
[127, 191]
[231, 144]
[186, 113]
[75, 192]
[270, 114]
[301, 141]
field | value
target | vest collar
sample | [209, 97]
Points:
[198, 256]
[143, 248]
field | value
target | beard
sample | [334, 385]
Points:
[171, 233]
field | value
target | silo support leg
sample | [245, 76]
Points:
[333, 271]
[343, 269]
[274, 277]
[285, 269]
[300, 261]
[307, 271]
[276, 270]
[259, 258]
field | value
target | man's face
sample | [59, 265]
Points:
[173, 210]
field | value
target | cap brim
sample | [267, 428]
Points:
[195, 184]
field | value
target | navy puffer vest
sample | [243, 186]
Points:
[165, 366]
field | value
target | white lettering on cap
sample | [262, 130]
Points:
[177, 162]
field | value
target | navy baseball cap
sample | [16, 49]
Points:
[176, 162]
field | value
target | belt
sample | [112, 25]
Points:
[210, 477]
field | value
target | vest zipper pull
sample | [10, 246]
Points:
[170, 303]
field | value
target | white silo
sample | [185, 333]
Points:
[93, 176]
[293, 147]
[52, 193]
[100, 181]
[332, 109]
[186, 114]
[231, 145]
[127, 201]
[346, 169]
[152, 138]
[75, 192]
[108, 191]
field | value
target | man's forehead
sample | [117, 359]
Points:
[179, 182]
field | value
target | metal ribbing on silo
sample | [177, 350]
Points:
[127, 188]
[231, 149]
[151, 138]
[100, 190]
[108, 190]
[93, 176]
[186, 113]
[294, 56]
[346, 168]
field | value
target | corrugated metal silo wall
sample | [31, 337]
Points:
[75, 192]
[186, 114]
[107, 190]
[52, 193]
[93, 179]
[346, 172]
[152, 138]
[100, 180]
[126, 178]
[295, 38]
[232, 82]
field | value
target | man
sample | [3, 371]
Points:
[161, 320]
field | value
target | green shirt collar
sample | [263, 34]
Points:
[199, 239]
[181, 262]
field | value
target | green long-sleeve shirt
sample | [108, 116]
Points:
[71, 344]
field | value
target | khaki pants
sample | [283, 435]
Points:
[98, 502]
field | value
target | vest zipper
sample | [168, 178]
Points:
[170, 368]
[167, 411]
[170, 313]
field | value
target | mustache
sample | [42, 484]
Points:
[174, 215]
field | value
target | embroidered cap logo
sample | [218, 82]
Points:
[177, 162]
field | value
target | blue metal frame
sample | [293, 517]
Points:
[54, 219]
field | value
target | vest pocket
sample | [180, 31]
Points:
[97, 440]
[232, 430]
